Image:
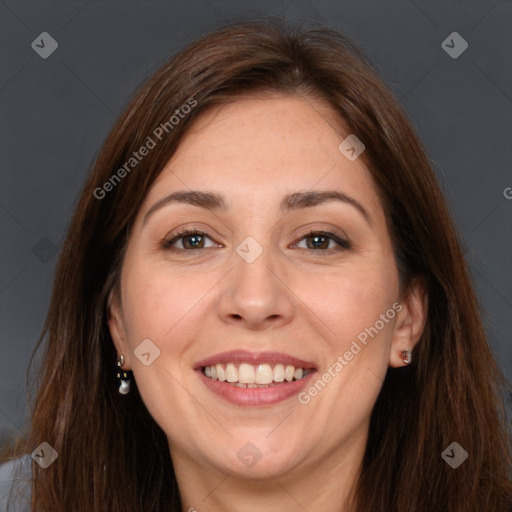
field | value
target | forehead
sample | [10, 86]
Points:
[261, 148]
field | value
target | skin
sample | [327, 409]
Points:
[291, 299]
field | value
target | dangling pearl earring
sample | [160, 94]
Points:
[124, 387]
[406, 356]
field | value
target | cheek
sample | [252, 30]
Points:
[353, 300]
[160, 304]
[357, 307]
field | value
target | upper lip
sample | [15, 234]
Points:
[244, 356]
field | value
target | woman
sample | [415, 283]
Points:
[262, 302]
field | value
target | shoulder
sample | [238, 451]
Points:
[15, 485]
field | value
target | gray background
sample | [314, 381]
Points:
[55, 113]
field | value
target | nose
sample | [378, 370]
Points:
[255, 295]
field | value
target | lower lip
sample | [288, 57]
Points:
[256, 396]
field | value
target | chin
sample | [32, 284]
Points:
[257, 457]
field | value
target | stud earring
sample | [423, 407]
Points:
[122, 375]
[406, 356]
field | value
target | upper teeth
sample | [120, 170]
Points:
[249, 374]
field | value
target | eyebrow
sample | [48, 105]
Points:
[298, 200]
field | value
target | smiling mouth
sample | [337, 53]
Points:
[245, 375]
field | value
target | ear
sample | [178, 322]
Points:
[410, 322]
[117, 328]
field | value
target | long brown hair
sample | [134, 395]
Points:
[112, 454]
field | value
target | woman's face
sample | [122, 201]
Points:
[275, 282]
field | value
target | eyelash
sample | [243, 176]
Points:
[167, 243]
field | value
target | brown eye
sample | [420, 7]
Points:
[189, 240]
[319, 241]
